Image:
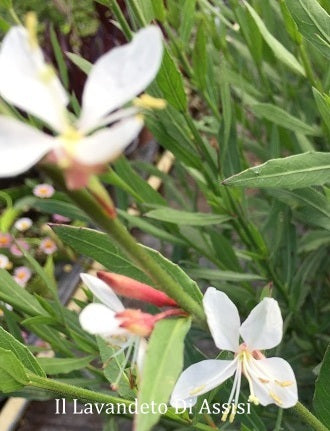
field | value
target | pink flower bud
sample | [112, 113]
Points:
[130, 288]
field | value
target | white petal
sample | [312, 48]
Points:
[107, 144]
[26, 80]
[199, 379]
[21, 146]
[263, 328]
[103, 292]
[222, 318]
[97, 319]
[120, 75]
[282, 386]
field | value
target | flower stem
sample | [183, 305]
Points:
[308, 417]
[117, 231]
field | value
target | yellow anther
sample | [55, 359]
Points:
[253, 399]
[31, 24]
[275, 398]
[232, 414]
[263, 380]
[197, 390]
[148, 102]
[225, 415]
[284, 384]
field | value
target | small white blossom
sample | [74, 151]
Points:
[43, 191]
[23, 224]
[4, 261]
[271, 380]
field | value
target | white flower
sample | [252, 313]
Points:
[43, 191]
[27, 82]
[22, 275]
[23, 224]
[119, 326]
[271, 380]
[48, 246]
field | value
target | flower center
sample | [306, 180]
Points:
[69, 140]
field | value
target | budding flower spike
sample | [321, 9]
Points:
[271, 380]
[130, 288]
[80, 147]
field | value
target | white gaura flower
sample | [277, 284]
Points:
[123, 328]
[271, 380]
[80, 146]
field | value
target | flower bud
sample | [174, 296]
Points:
[130, 288]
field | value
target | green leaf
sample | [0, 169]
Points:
[177, 273]
[159, 10]
[15, 295]
[170, 82]
[22, 353]
[298, 171]
[58, 52]
[322, 391]
[12, 373]
[187, 20]
[323, 104]
[217, 274]
[282, 118]
[313, 22]
[200, 57]
[146, 226]
[64, 365]
[278, 49]
[101, 248]
[186, 218]
[54, 206]
[80, 62]
[162, 366]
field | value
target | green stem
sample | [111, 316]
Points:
[279, 420]
[121, 19]
[116, 230]
[308, 417]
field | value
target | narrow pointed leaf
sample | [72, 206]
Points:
[298, 171]
[162, 366]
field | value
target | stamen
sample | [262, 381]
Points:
[232, 414]
[247, 371]
[123, 366]
[148, 102]
[263, 380]
[197, 390]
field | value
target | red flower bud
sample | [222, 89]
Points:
[130, 288]
[136, 321]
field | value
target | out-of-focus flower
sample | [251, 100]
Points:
[271, 380]
[5, 262]
[5, 240]
[43, 191]
[23, 224]
[22, 275]
[58, 218]
[84, 146]
[130, 288]
[48, 246]
[14, 249]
